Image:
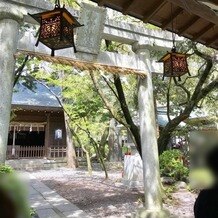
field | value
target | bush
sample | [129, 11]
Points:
[13, 201]
[4, 169]
[171, 165]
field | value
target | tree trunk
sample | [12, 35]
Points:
[71, 154]
[124, 106]
[103, 142]
[113, 142]
[119, 143]
[99, 156]
[88, 158]
[89, 164]
[166, 133]
[101, 160]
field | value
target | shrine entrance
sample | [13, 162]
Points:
[26, 141]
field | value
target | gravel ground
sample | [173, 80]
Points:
[107, 198]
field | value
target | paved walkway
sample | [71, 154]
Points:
[49, 204]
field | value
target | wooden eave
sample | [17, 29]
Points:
[192, 19]
[35, 108]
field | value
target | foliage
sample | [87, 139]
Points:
[68, 3]
[113, 46]
[171, 165]
[5, 169]
[11, 185]
[32, 212]
[85, 110]
[168, 193]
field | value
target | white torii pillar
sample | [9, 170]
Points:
[10, 19]
[153, 207]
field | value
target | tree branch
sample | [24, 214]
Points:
[111, 88]
[198, 94]
[96, 146]
[104, 99]
[19, 70]
[196, 76]
[209, 88]
[183, 88]
[200, 54]
[202, 80]
[78, 140]
[53, 93]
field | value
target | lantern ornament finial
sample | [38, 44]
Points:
[175, 63]
[57, 4]
[56, 28]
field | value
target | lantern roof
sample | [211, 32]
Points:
[170, 54]
[57, 10]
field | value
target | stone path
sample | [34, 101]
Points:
[49, 204]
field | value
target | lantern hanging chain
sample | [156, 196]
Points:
[168, 99]
[57, 3]
[173, 34]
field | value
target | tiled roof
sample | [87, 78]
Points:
[38, 96]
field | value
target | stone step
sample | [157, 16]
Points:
[35, 164]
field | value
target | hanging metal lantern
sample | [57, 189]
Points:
[175, 64]
[56, 28]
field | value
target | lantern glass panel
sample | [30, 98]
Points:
[179, 63]
[50, 26]
[168, 67]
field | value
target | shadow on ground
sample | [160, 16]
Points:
[98, 198]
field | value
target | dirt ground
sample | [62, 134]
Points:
[108, 198]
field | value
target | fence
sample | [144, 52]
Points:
[57, 152]
[39, 152]
[25, 152]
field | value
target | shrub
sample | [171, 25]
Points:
[4, 169]
[171, 165]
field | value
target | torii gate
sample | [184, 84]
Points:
[14, 12]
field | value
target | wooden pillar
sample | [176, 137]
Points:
[47, 135]
[14, 141]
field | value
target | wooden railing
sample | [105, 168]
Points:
[61, 152]
[39, 152]
[25, 152]
[57, 152]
